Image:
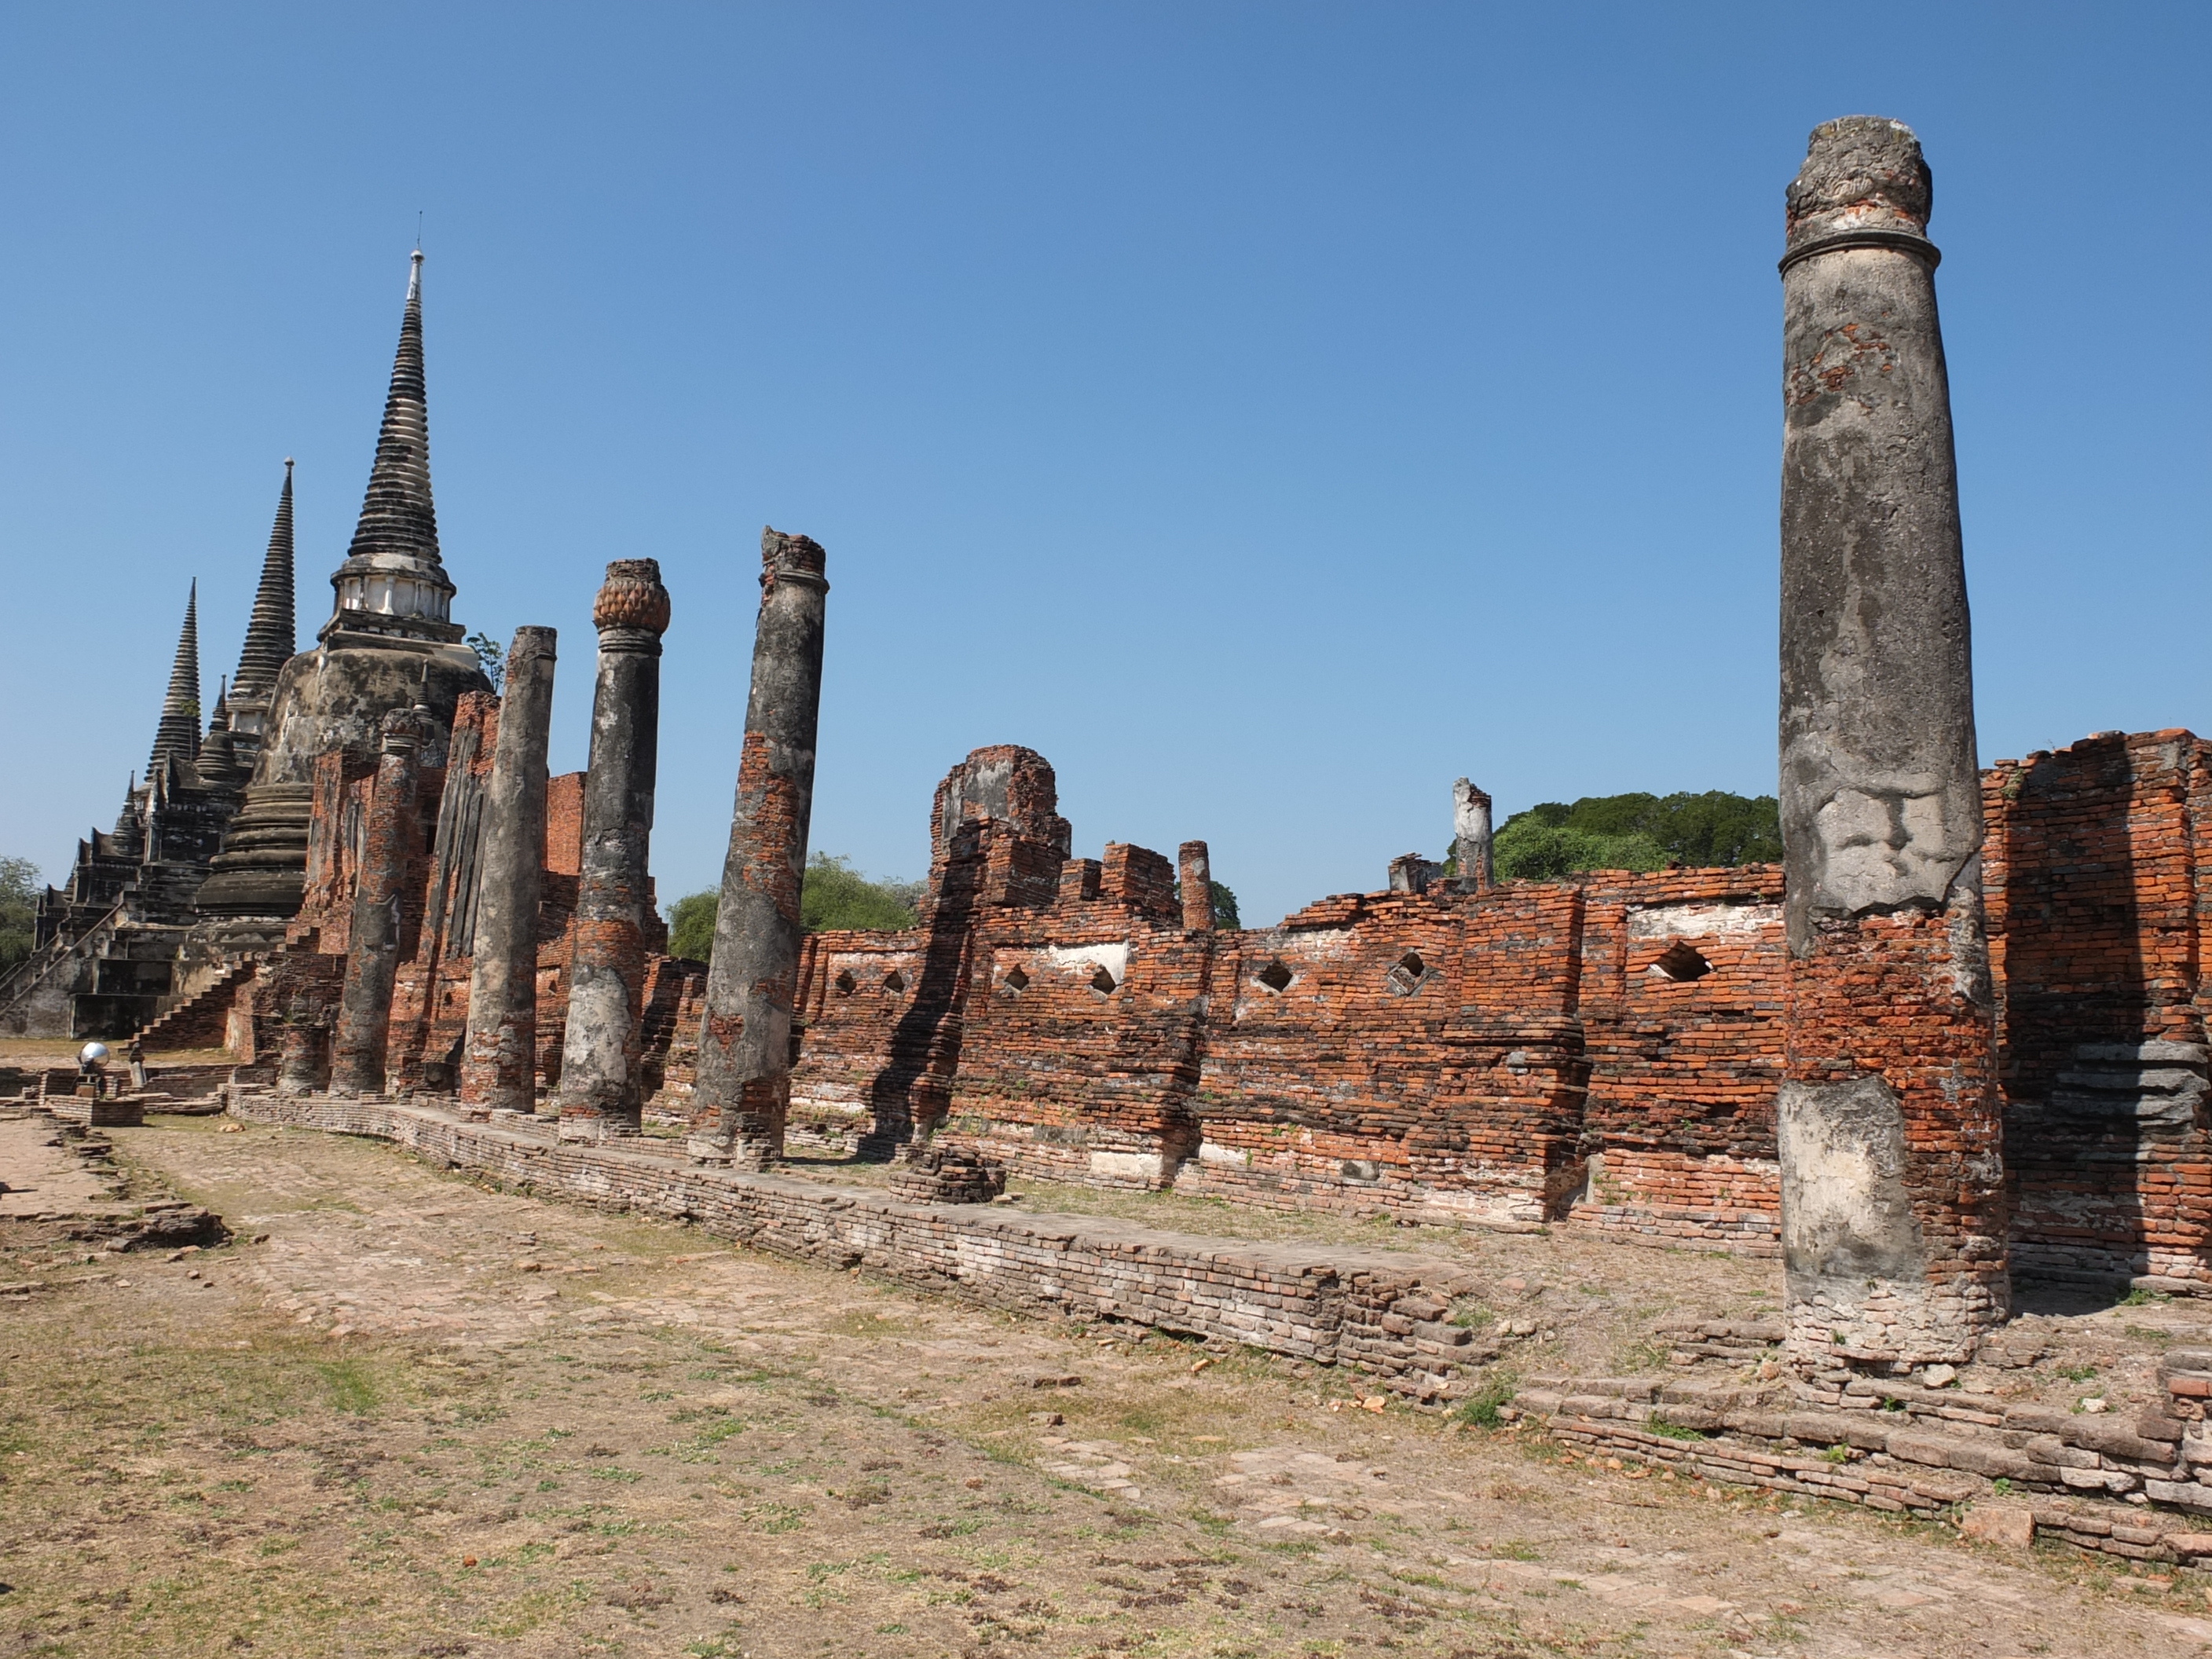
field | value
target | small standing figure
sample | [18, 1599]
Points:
[136, 1056]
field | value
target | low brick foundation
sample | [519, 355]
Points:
[2101, 1482]
[1639, 1196]
[1378, 1312]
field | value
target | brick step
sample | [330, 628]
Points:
[199, 1017]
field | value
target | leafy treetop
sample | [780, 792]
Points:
[1637, 831]
[1224, 904]
[19, 908]
[833, 895]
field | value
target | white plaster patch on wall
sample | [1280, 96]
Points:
[1703, 921]
[869, 967]
[1114, 958]
[1212, 1151]
[1140, 1166]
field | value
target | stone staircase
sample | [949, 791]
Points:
[203, 1019]
[35, 999]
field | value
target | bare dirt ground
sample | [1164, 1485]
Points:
[420, 1418]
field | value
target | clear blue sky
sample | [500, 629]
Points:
[1269, 412]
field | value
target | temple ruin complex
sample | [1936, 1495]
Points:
[1957, 1039]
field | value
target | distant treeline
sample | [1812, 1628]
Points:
[1637, 832]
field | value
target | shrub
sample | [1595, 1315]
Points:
[833, 895]
[1481, 1408]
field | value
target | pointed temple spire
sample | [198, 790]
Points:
[393, 582]
[398, 516]
[178, 736]
[269, 633]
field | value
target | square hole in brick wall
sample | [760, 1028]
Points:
[1015, 980]
[1274, 975]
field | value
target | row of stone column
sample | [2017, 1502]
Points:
[741, 1096]
[600, 1091]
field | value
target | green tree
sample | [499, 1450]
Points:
[20, 883]
[1637, 831]
[833, 895]
[493, 656]
[1224, 904]
[1527, 849]
[691, 926]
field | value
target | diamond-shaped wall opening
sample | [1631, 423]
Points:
[1274, 975]
[1681, 961]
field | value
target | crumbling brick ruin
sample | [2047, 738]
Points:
[1959, 1038]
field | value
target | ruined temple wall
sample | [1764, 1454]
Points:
[337, 828]
[1396, 1050]
[673, 1004]
[1080, 1037]
[1681, 999]
[2097, 902]
[1511, 1057]
[855, 988]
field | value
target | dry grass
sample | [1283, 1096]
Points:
[547, 1432]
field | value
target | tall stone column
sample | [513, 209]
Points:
[1195, 866]
[364, 1024]
[599, 1090]
[499, 1066]
[743, 1087]
[1894, 1209]
[1471, 836]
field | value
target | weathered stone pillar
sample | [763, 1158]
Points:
[1471, 836]
[1195, 868]
[1892, 1174]
[499, 1066]
[599, 1092]
[743, 1086]
[364, 1021]
[303, 1050]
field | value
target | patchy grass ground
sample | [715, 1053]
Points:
[423, 1418]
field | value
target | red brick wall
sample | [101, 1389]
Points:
[1535, 1065]
[1538, 1035]
[2097, 904]
[1683, 1070]
[1422, 1052]
[1080, 1033]
[855, 989]
[564, 824]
